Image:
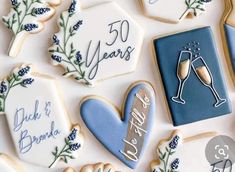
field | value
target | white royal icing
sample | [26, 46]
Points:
[37, 119]
[173, 11]
[90, 53]
[179, 156]
[27, 17]
[9, 165]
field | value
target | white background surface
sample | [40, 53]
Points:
[35, 51]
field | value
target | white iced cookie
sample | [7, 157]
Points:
[27, 17]
[91, 47]
[99, 167]
[173, 11]
[7, 164]
[37, 119]
[175, 153]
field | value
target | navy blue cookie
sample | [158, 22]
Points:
[191, 76]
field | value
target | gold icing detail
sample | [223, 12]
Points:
[204, 74]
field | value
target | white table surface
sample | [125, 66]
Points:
[35, 52]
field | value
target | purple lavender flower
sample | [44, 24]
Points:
[30, 27]
[74, 147]
[175, 164]
[40, 11]
[72, 7]
[23, 71]
[173, 144]
[27, 81]
[78, 57]
[14, 2]
[3, 87]
[56, 58]
[77, 25]
[56, 40]
[73, 135]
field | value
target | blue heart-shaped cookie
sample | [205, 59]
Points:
[125, 138]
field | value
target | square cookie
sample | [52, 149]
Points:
[191, 76]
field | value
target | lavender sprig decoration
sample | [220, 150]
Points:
[195, 5]
[26, 16]
[71, 145]
[63, 52]
[17, 78]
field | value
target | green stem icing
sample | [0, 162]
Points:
[63, 154]
[13, 81]
[77, 68]
[195, 5]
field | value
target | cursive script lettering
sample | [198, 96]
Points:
[21, 117]
[137, 126]
[119, 32]
[96, 58]
[132, 155]
[145, 100]
[26, 140]
[137, 122]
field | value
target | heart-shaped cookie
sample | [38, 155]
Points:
[92, 47]
[126, 138]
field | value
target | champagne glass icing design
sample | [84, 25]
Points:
[205, 76]
[183, 72]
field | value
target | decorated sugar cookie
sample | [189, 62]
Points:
[130, 130]
[37, 119]
[27, 17]
[174, 11]
[7, 164]
[228, 34]
[191, 75]
[99, 167]
[90, 53]
[176, 154]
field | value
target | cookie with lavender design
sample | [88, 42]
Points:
[7, 164]
[99, 167]
[37, 119]
[174, 11]
[175, 153]
[27, 17]
[90, 56]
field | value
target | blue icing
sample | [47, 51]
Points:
[230, 35]
[105, 123]
[199, 100]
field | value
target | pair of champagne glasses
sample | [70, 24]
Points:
[202, 71]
